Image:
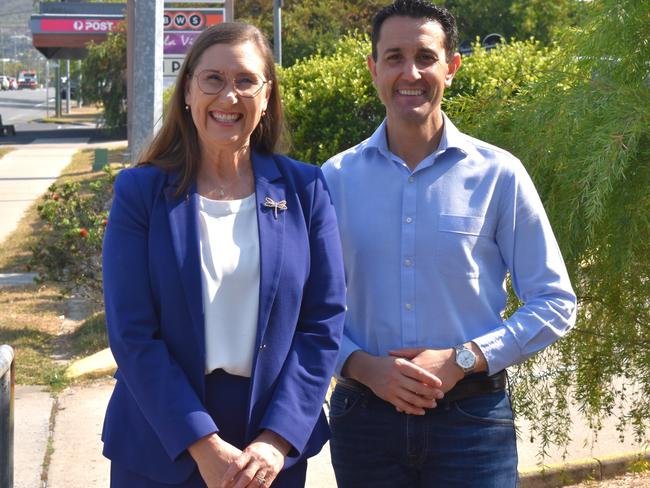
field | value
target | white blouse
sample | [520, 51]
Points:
[230, 270]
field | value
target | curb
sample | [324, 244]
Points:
[594, 469]
[99, 364]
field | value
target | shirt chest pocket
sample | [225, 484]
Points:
[465, 245]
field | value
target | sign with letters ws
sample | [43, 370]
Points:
[181, 28]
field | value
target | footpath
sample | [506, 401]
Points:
[57, 436]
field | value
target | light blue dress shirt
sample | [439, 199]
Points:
[426, 251]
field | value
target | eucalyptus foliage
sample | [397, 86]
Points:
[582, 130]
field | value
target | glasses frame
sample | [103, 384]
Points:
[232, 83]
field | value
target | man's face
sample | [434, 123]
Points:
[412, 71]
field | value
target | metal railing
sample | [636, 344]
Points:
[7, 381]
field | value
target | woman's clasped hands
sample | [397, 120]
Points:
[222, 465]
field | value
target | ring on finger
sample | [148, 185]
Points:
[261, 480]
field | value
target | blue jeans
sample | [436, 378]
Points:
[470, 443]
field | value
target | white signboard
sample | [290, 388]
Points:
[172, 65]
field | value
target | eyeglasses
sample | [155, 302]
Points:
[246, 85]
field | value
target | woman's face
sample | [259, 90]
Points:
[226, 120]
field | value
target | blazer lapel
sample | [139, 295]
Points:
[269, 194]
[185, 236]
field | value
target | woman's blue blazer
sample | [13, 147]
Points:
[154, 314]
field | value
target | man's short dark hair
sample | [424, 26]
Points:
[417, 9]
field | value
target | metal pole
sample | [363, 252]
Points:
[47, 87]
[67, 86]
[229, 7]
[7, 386]
[277, 31]
[57, 84]
[79, 100]
[145, 99]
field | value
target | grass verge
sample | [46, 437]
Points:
[5, 150]
[33, 317]
[77, 115]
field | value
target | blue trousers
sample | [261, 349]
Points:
[226, 401]
[466, 444]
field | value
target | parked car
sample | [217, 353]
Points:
[4, 82]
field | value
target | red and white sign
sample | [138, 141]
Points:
[192, 20]
[78, 25]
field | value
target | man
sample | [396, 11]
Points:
[431, 220]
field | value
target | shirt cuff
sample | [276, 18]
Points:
[347, 348]
[500, 349]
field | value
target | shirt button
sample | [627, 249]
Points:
[263, 346]
[408, 306]
[411, 179]
[408, 262]
[409, 220]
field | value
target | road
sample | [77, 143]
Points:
[22, 106]
[26, 109]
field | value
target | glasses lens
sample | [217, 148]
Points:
[248, 85]
[211, 82]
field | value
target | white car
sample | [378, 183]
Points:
[4, 82]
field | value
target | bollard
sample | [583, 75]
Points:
[101, 159]
[7, 382]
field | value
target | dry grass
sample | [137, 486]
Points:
[34, 318]
[5, 150]
[77, 115]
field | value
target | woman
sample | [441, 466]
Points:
[224, 286]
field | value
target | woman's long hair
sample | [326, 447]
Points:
[176, 145]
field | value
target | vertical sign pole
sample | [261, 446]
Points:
[67, 86]
[57, 90]
[47, 87]
[145, 72]
[277, 31]
[229, 7]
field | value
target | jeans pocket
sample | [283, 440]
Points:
[492, 409]
[343, 401]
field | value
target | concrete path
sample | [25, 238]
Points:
[27, 172]
[32, 411]
[77, 462]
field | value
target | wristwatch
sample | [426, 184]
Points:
[465, 359]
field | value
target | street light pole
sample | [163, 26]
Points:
[277, 31]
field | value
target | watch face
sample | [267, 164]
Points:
[465, 359]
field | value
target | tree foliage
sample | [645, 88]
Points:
[104, 77]
[520, 19]
[582, 131]
[309, 26]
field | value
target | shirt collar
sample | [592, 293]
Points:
[451, 138]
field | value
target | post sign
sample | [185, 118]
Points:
[181, 28]
[78, 25]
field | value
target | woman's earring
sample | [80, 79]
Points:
[187, 108]
[263, 113]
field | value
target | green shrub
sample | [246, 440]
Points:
[330, 101]
[69, 248]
